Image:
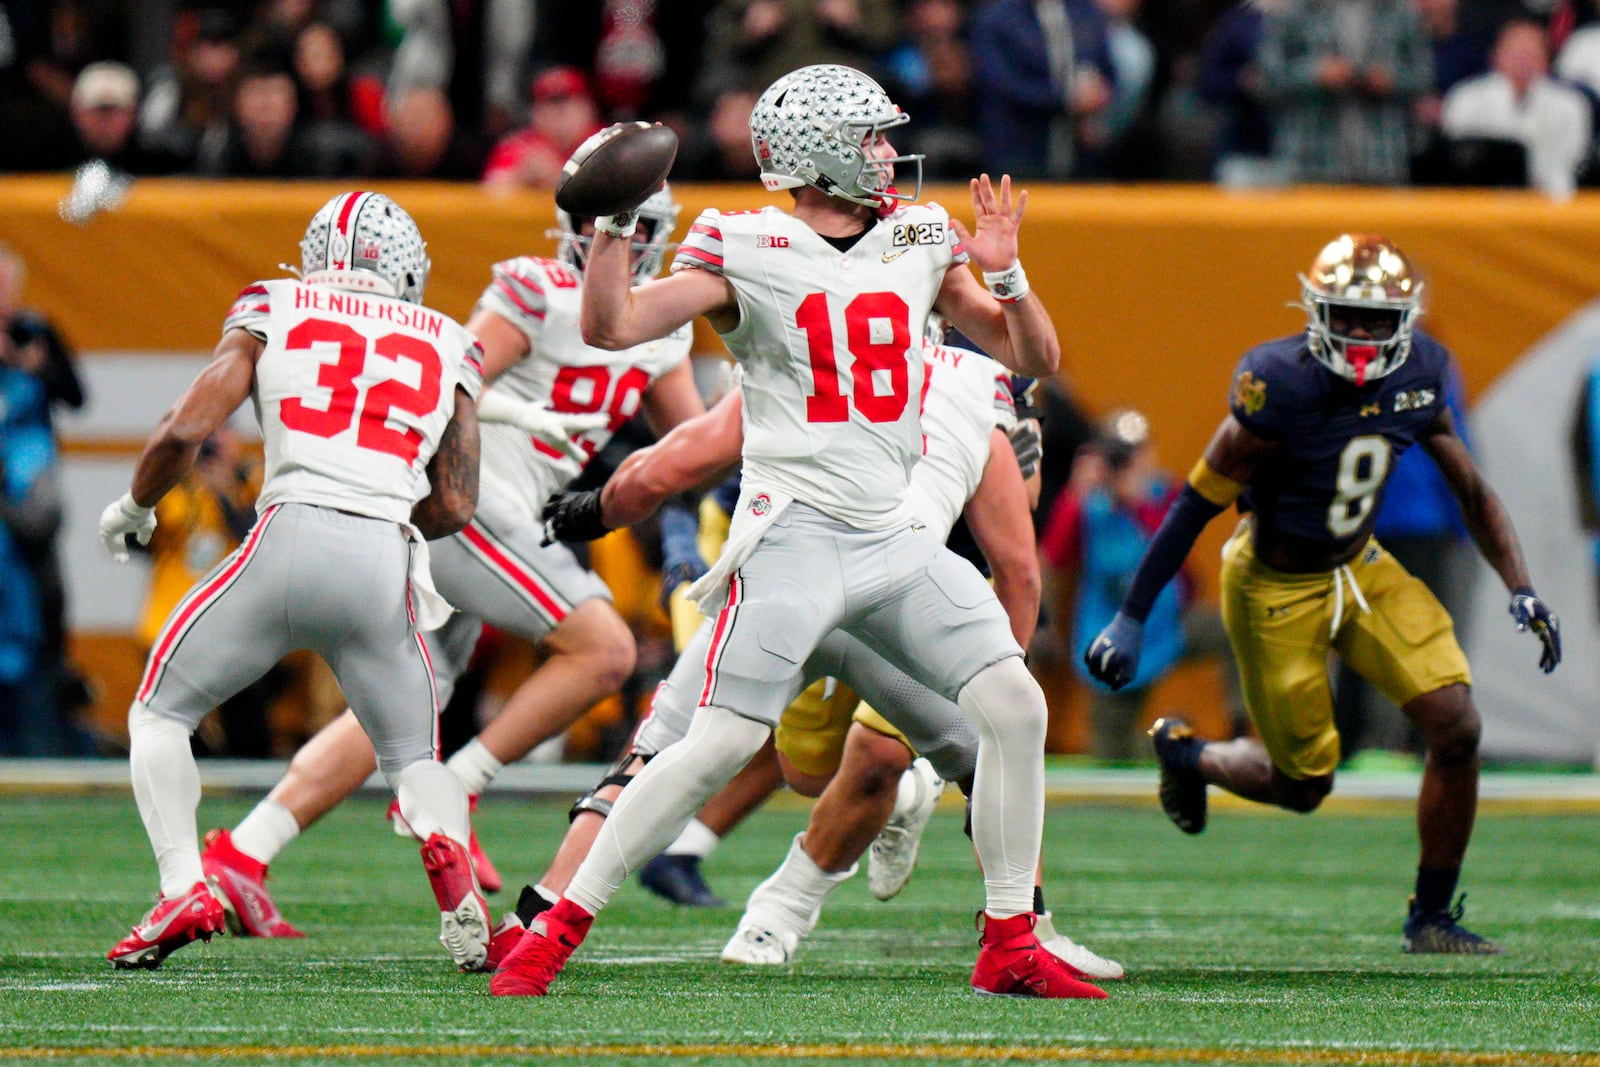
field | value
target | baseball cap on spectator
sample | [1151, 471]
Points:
[559, 83]
[106, 84]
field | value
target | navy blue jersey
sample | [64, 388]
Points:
[1338, 442]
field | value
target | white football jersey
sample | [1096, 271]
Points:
[353, 392]
[541, 297]
[831, 346]
[968, 395]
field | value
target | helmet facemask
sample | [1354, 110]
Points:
[1360, 283]
[818, 126]
[656, 218]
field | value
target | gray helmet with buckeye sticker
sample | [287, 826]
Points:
[813, 126]
[366, 242]
[657, 218]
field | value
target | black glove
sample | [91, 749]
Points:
[574, 517]
[1113, 657]
[1531, 613]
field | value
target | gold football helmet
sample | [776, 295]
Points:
[1361, 282]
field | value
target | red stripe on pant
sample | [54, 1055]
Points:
[527, 582]
[724, 624]
[190, 609]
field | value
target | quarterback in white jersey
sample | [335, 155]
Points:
[364, 397]
[818, 307]
[554, 404]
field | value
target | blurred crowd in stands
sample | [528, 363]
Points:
[1247, 92]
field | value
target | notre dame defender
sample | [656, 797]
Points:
[1316, 421]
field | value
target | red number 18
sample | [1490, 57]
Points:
[828, 403]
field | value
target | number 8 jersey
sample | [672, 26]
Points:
[353, 392]
[1338, 442]
[831, 346]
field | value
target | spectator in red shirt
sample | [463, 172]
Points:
[564, 113]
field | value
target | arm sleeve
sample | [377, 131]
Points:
[1170, 546]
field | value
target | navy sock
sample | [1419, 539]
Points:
[1435, 887]
[1038, 900]
[1188, 758]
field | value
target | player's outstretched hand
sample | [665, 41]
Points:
[554, 428]
[992, 244]
[1113, 657]
[121, 518]
[1531, 613]
[574, 517]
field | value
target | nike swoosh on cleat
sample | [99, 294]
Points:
[156, 931]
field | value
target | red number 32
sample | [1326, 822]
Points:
[339, 378]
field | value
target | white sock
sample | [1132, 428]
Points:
[697, 839]
[661, 800]
[432, 801]
[549, 895]
[266, 831]
[794, 893]
[166, 785]
[1008, 788]
[475, 765]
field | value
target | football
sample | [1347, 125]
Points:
[616, 169]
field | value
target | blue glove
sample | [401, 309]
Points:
[1113, 657]
[680, 550]
[1531, 613]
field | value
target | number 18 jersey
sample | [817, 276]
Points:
[831, 346]
[353, 392]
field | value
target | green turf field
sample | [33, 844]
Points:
[1270, 939]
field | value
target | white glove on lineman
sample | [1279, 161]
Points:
[121, 518]
[554, 428]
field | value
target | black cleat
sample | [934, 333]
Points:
[678, 879]
[1183, 791]
[1442, 932]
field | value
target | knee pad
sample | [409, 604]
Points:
[618, 776]
[1006, 700]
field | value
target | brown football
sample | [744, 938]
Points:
[617, 169]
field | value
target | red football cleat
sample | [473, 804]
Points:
[1012, 963]
[239, 882]
[503, 940]
[167, 927]
[463, 913]
[542, 952]
[488, 878]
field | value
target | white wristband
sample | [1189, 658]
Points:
[621, 225]
[1009, 285]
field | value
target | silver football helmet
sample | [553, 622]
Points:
[366, 242]
[657, 218]
[813, 126]
[1365, 272]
